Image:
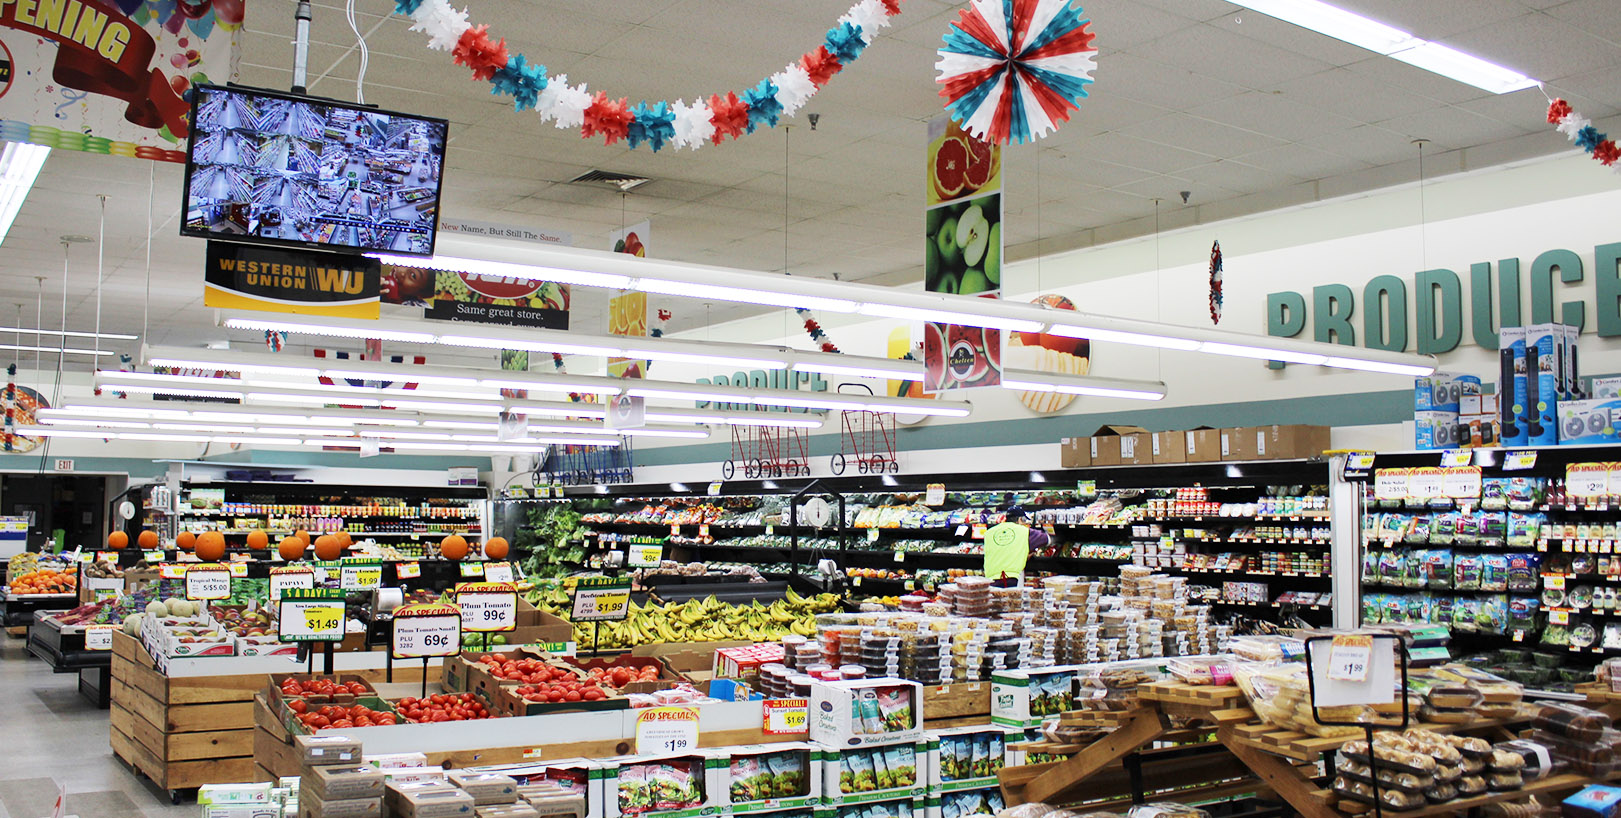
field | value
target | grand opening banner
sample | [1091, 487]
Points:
[111, 76]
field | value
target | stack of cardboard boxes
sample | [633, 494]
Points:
[1115, 445]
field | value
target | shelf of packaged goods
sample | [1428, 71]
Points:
[1283, 574]
[1273, 605]
[201, 514]
[1257, 540]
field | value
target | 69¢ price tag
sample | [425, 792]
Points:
[426, 630]
[785, 717]
[488, 606]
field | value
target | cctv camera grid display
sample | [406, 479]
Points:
[285, 169]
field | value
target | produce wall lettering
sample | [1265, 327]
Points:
[765, 379]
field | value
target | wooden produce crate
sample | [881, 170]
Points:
[181, 733]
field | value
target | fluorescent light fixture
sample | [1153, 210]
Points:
[793, 420]
[1465, 68]
[1031, 381]
[678, 487]
[947, 316]
[55, 350]
[674, 391]
[1263, 353]
[361, 375]
[860, 367]
[20, 164]
[203, 361]
[1393, 42]
[1389, 367]
[59, 333]
[116, 422]
[1117, 336]
[583, 410]
[505, 270]
[335, 329]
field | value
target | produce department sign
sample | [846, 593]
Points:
[247, 277]
[482, 299]
[110, 77]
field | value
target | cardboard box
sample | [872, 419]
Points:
[316, 751]
[1136, 449]
[241, 811]
[1584, 422]
[969, 757]
[668, 677]
[1170, 447]
[1107, 444]
[311, 807]
[1436, 430]
[503, 701]
[1238, 443]
[624, 778]
[866, 774]
[1291, 441]
[866, 712]
[486, 788]
[341, 782]
[394, 794]
[1512, 387]
[1203, 445]
[451, 803]
[1076, 452]
[1542, 344]
[761, 777]
[1024, 698]
[1604, 387]
[693, 660]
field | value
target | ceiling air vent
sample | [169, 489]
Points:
[622, 182]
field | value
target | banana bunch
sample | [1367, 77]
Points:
[707, 620]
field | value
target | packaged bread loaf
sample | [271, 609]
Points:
[1571, 721]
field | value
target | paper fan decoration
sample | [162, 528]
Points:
[1012, 70]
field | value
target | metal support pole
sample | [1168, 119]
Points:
[301, 46]
[1345, 544]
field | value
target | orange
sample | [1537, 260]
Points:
[453, 547]
[258, 540]
[328, 547]
[291, 548]
[118, 541]
[186, 541]
[210, 546]
[147, 539]
[496, 548]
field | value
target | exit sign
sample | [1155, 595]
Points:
[63, 464]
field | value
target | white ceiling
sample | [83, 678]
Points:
[1245, 112]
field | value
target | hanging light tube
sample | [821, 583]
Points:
[1032, 381]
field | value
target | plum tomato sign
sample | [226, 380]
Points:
[426, 630]
[488, 606]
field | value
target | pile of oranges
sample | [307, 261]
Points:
[47, 581]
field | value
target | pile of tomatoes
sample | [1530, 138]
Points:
[529, 671]
[319, 688]
[568, 690]
[618, 677]
[442, 707]
[336, 716]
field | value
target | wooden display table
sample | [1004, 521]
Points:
[194, 725]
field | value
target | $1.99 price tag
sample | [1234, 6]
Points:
[785, 717]
[666, 730]
[605, 600]
[1348, 657]
[360, 576]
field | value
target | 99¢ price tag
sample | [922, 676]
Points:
[488, 611]
[208, 582]
[785, 717]
[1348, 657]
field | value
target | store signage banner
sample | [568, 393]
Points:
[450, 296]
[308, 282]
[110, 77]
[962, 252]
[511, 232]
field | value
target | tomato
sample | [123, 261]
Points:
[320, 721]
[385, 719]
[298, 705]
[343, 724]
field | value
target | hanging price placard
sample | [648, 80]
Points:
[601, 599]
[714, 489]
[785, 717]
[315, 615]
[488, 606]
[1587, 480]
[1461, 483]
[645, 555]
[284, 579]
[408, 570]
[208, 581]
[426, 630]
[498, 572]
[666, 730]
[361, 576]
[935, 495]
[99, 637]
[1348, 657]
[1456, 458]
[1425, 483]
[1519, 461]
[1390, 484]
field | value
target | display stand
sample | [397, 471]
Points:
[1372, 681]
[64, 650]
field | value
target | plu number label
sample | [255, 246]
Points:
[601, 601]
[314, 615]
[426, 630]
[487, 606]
[360, 576]
[205, 582]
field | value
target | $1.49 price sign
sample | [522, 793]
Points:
[314, 615]
[601, 600]
[426, 630]
[666, 730]
[208, 581]
[487, 606]
[785, 717]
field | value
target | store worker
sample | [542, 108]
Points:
[1008, 546]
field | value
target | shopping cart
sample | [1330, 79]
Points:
[765, 451]
[868, 438]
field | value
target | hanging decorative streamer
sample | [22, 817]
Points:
[11, 405]
[815, 331]
[655, 124]
[276, 340]
[1012, 70]
[1216, 299]
[1579, 130]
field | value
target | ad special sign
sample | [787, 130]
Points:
[108, 76]
[246, 277]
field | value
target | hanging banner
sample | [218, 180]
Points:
[308, 282]
[627, 315]
[962, 253]
[633, 239]
[110, 77]
[480, 299]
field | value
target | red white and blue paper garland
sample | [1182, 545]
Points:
[1216, 298]
[1579, 129]
[1012, 70]
[655, 124]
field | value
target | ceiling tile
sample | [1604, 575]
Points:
[1209, 50]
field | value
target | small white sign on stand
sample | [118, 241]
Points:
[1336, 668]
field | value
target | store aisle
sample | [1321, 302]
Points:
[49, 734]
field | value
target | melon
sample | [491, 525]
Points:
[156, 608]
[174, 606]
[132, 624]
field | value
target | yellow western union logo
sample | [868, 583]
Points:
[295, 276]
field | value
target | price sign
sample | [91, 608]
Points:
[360, 576]
[1587, 480]
[1425, 482]
[703, 531]
[107, 556]
[1456, 458]
[408, 570]
[872, 535]
[99, 637]
[498, 572]
[1348, 657]
[935, 495]
[210, 581]
[604, 599]
[785, 717]
[290, 578]
[666, 730]
[1390, 484]
[472, 569]
[1555, 582]
[714, 489]
[645, 556]
[1358, 465]
[488, 606]
[154, 556]
[426, 630]
[238, 569]
[1461, 483]
[1559, 617]
[172, 571]
[1519, 461]
[314, 615]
